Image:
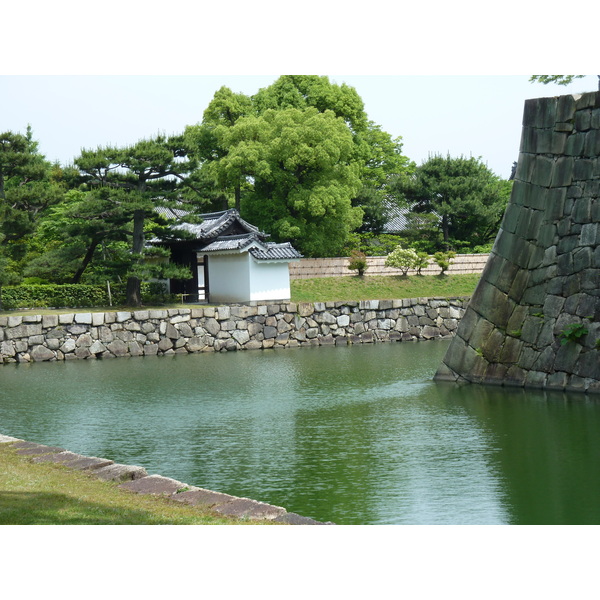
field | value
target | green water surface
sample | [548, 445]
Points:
[353, 435]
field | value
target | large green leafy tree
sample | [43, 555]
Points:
[77, 231]
[467, 198]
[219, 180]
[142, 177]
[314, 91]
[273, 157]
[378, 155]
[304, 177]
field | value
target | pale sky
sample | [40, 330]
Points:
[469, 115]
[87, 75]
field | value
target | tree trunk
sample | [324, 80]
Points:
[134, 296]
[133, 290]
[238, 198]
[445, 231]
[86, 261]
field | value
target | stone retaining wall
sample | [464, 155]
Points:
[223, 328]
[308, 268]
[534, 319]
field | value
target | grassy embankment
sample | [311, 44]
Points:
[339, 288]
[50, 494]
[382, 288]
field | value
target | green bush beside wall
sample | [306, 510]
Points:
[75, 295]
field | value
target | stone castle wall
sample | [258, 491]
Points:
[542, 279]
[223, 328]
[308, 268]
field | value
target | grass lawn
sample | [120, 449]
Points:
[326, 289]
[50, 494]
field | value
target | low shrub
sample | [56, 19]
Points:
[404, 259]
[358, 262]
[443, 260]
[75, 295]
[573, 333]
[422, 262]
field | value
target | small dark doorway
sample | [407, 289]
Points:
[202, 277]
[194, 289]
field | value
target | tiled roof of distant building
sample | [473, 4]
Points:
[213, 238]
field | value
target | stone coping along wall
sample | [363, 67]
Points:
[87, 335]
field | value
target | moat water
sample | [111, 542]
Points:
[353, 435]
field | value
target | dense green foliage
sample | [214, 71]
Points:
[300, 159]
[371, 244]
[464, 202]
[77, 295]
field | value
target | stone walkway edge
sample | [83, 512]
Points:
[137, 480]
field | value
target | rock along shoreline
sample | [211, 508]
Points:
[136, 480]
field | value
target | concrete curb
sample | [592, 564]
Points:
[136, 480]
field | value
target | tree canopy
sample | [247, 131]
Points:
[304, 177]
[300, 159]
[467, 199]
[140, 178]
[29, 187]
[558, 79]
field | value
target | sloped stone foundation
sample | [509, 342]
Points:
[534, 318]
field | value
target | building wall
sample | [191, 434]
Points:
[269, 280]
[308, 268]
[265, 325]
[229, 278]
[542, 279]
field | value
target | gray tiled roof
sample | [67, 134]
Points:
[259, 249]
[274, 251]
[233, 242]
[209, 238]
[213, 224]
[395, 217]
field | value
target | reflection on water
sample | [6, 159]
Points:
[356, 434]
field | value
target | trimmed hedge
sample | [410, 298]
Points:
[75, 295]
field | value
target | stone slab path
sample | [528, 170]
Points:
[136, 480]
